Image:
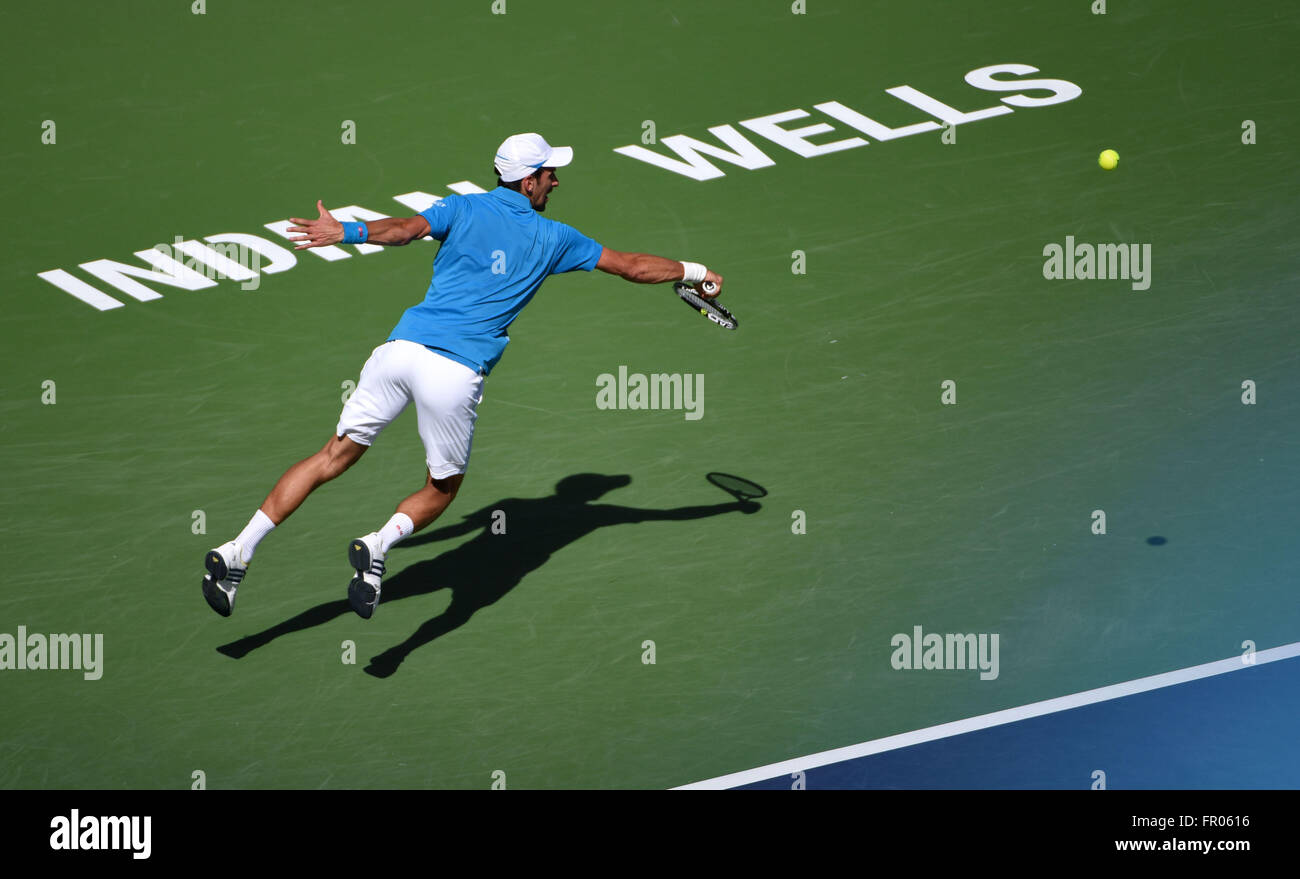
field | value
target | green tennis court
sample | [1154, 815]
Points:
[936, 421]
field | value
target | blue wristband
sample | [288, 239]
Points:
[355, 233]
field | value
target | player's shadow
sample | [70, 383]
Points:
[516, 537]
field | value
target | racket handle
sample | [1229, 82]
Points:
[708, 287]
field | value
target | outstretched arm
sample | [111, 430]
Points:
[644, 268]
[323, 230]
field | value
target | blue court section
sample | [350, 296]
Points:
[1235, 730]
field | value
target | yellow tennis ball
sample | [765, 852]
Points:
[1108, 160]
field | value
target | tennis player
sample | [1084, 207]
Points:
[496, 251]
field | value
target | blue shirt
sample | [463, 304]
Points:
[496, 251]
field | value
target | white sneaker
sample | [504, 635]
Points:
[226, 569]
[368, 561]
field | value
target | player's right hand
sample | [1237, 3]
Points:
[321, 231]
[716, 279]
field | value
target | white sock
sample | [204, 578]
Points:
[398, 527]
[258, 527]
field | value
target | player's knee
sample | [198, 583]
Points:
[447, 485]
[334, 468]
[333, 463]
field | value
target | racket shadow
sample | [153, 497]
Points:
[516, 537]
[737, 486]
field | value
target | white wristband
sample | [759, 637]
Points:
[693, 272]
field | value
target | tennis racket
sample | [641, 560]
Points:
[707, 307]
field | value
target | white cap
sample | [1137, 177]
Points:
[521, 155]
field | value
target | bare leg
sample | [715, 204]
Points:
[307, 475]
[428, 503]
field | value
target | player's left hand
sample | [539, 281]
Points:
[321, 231]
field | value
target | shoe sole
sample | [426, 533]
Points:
[217, 599]
[359, 556]
[216, 565]
[359, 591]
[359, 596]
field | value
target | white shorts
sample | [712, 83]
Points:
[446, 395]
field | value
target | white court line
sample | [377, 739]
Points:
[997, 718]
